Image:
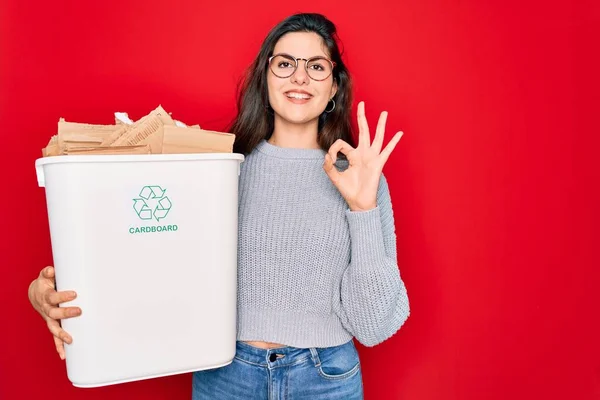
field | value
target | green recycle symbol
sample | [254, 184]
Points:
[152, 203]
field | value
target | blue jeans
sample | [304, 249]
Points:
[284, 373]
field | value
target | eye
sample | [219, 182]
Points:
[317, 67]
[284, 64]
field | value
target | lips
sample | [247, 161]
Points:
[299, 95]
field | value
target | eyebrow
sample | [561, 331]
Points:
[307, 58]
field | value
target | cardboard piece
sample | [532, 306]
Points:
[178, 140]
[155, 133]
[51, 148]
[138, 149]
[75, 134]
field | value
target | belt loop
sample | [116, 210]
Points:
[315, 356]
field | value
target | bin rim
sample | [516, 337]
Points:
[137, 158]
[126, 158]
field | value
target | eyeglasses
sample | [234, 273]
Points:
[284, 65]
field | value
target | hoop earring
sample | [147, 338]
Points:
[332, 108]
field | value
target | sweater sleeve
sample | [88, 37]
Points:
[374, 302]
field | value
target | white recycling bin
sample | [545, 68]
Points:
[149, 243]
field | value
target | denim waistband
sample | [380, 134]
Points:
[275, 357]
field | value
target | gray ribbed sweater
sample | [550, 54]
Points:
[312, 273]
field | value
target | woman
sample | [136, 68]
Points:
[317, 246]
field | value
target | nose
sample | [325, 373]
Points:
[300, 76]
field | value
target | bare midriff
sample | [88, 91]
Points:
[265, 345]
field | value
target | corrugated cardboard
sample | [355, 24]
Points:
[178, 140]
[155, 133]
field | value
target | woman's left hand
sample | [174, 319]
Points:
[358, 184]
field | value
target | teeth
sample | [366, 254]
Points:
[298, 95]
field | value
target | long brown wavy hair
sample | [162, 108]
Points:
[254, 122]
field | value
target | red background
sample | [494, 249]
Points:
[494, 183]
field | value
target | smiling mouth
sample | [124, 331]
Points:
[299, 96]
